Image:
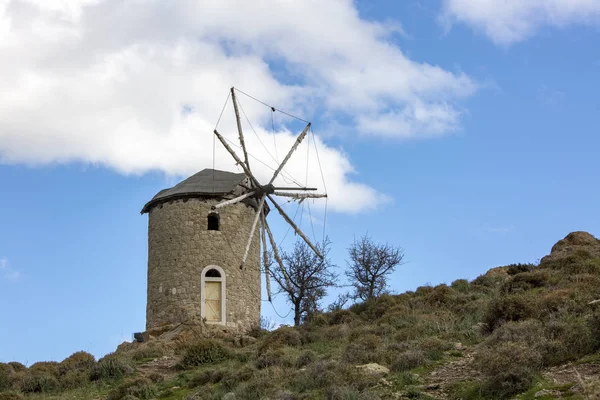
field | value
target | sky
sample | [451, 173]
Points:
[464, 131]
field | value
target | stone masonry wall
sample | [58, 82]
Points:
[180, 246]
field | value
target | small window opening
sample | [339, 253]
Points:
[213, 273]
[213, 222]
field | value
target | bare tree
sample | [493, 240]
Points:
[305, 278]
[370, 265]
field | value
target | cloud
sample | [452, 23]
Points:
[510, 21]
[499, 229]
[138, 85]
[550, 96]
[7, 273]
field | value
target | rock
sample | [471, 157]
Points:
[573, 242]
[459, 346]
[229, 396]
[548, 392]
[385, 382]
[373, 369]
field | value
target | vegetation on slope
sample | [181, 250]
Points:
[509, 332]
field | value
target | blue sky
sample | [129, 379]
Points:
[465, 133]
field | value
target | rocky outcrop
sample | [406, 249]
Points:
[574, 242]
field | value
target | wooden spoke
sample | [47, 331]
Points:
[293, 188]
[289, 154]
[236, 158]
[291, 222]
[265, 255]
[233, 201]
[239, 126]
[254, 223]
[276, 255]
[300, 195]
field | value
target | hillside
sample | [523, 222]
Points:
[520, 331]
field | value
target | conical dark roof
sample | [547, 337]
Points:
[206, 183]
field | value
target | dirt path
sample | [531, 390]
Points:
[438, 381]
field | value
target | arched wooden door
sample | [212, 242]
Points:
[212, 307]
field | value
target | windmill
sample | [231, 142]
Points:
[266, 194]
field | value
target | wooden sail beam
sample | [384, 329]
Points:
[292, 188]
[296, 228]
[239, 127]
[277, 257]
[300, 195]
[236, 158]
[261, 203]
[233, 201]
[289, 154]
[265, 255]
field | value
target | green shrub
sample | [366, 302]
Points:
[74, 379]
[461, 285]
[514, 269]
[408, 360]
[7, 374]
[140, 388]
[203, 352]
[525, 281]
[17, 366]
[568, 339]
[341, 317]
[273, 357]
[39, 382]
[434, 347]
[10, 396]
[284, 336]
[508, 368]
[234, 377]
[363, 349]
[205, 377]
[529, 332]
[151, 350]
[111, 367]
[307, 357]
[508, 308]
[44, 367]
[78, 361]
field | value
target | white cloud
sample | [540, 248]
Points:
[510, 21]
[139, 85]
[7, 273]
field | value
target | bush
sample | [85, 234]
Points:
[526, 281]
[234, 377]
[6, 376]
[272, 357]
[10, 396]
[508, 368]
[140, 388]
[204, 377]
[363, 350]
[39, 382]
[514, 269]
[408, 360]
[284, 336]
[508, 308]
[461, 285]
[17, 366]
[44, 367]
[307, 357]
[149, 351]
[74, 379]
[203, 352]
[78, 361]
[110, 367]
[341, 317]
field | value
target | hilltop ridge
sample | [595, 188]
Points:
[519, 331]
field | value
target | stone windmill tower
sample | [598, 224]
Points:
[191, 252]
[204, 246]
